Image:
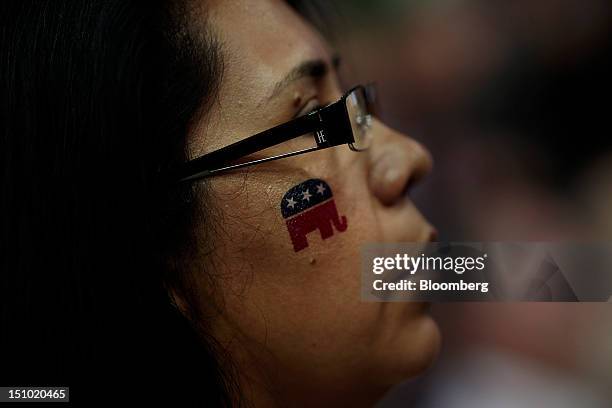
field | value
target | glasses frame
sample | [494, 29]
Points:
[330, 126]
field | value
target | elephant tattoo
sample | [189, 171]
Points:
[310, 206]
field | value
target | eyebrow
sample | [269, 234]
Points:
[315, 68]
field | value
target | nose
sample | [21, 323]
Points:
[396, 163]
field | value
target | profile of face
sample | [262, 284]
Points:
[288, 305]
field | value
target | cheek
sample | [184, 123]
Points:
[319, 212]
[310, 225]
[312, 215]
[283, 258]
[291, 291]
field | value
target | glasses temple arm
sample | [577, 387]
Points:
[260, 141]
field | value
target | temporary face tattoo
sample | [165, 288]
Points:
[310, 206]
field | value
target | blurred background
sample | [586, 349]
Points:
[513, 100]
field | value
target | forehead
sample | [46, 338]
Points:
[260, 41]
[262, 38]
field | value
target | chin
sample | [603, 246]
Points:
[427, 345]
[414, 350]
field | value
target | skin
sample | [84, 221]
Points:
[293, 323]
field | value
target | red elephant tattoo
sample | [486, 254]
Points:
[310, 206]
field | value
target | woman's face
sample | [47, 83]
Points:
[291, 316]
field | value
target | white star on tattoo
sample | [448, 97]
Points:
[291, 202]
[306, 195]
[321, 189]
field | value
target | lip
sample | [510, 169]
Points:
[422, 233]
[433, 234]
[425, 307]
[427, 235]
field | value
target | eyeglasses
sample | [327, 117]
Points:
[346, 121]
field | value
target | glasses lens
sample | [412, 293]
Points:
[361, 118]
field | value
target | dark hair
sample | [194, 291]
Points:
[97, 99]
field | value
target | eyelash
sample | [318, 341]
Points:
[316, 106]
